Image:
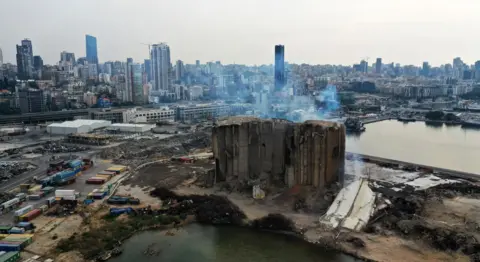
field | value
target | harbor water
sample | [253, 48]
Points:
[449, 147]
[201, 243]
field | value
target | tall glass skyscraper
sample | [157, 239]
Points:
[161, 67]
[91, 46]
[279, 67]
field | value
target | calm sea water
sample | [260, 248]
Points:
[451, 147]
[200, 243]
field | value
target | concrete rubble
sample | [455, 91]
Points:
[352, 208]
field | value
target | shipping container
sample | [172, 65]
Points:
[34, 197]
[118, 211]
[15, 230]
[95, 181]
[25, 225]
[63, 175]
[31, 215]
[11, 256]
[4, 229]
[64, 192]
[44, 208]
[21, 196]
[48, 190]
[34, 189]
[66, 181]
[10, 203]
[107, 177]
[10, 247]
[51, 201]
[75, 163]
[117, 169]
[23, 210]
[107, 173]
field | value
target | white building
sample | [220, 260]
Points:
[164, 114]
[76, 126]
[132, 128]
[195, 92]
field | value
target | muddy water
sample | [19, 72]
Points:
[450, 147]
[223, 244]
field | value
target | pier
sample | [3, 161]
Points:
[413, 166]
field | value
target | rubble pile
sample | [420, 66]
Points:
[405, 215]
[208, 209]
[13, 168]
[57, 147]
[274, 222]
[136, 152]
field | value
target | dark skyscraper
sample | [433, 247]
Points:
[148, 69]
[279, 67]
[378, 66]
[91, 45]
[425, 69]
[25, 60]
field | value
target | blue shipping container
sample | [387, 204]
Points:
[75, 163]
[26, 225]
[10, 247]
[64, 174]
[118, 211]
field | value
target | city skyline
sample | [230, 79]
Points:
[317, 32]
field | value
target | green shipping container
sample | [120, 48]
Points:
[10, 257]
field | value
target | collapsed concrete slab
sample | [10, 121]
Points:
[352, 208]
[276, 151]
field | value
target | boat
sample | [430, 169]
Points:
[406, 119]
[106, 256]
[471, 123]
[354, 125]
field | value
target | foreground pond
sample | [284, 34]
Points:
[201, 243]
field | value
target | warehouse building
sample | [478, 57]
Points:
[164, 114]
[201, 112]
[131, 128]
[76, 126]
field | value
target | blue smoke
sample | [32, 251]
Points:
[284, 105]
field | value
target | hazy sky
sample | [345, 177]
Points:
[245, 31]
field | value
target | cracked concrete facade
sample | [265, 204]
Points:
[279, 152]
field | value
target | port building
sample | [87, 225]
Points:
[77, 126]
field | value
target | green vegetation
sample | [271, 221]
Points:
[92, 243]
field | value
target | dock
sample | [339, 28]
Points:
[413, 166]
[375, 120]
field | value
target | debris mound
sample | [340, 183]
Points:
[406, 216]
[274, 222]
[208, 209]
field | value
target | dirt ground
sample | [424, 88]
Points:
[62, 228]
[168, 174]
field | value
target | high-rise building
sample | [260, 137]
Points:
[108, 68]
[25, 60]
[67, 57]
[364, 66]
[425, 69]
[378, 66]
[197, 63]
[1, 57]
[38, 66]
[91, 48]
[31, 101]
[137, 84]
[179, 70]
[279, 67]
[148, 69]
[129, 80]
[161, 66]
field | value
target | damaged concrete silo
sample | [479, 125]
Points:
[278, 152]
